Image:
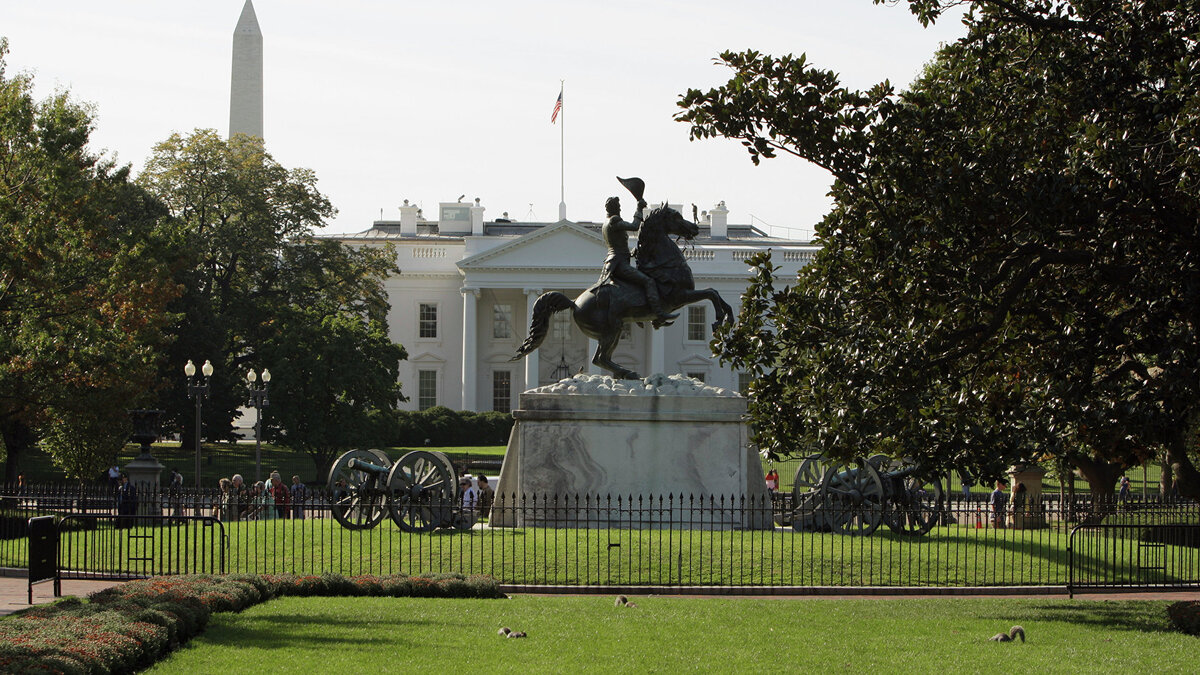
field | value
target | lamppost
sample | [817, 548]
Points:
[198, 391]
[258, 401]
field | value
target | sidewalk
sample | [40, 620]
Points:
[14, 591]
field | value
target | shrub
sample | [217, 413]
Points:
[445, 427]
[1185, 616]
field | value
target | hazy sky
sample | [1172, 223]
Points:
[388, 100]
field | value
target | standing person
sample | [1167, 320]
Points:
[175, 493]
[772, 482]
[998, 501]
[240, 497]
[126, 501]
[1124, 494]
[281, 494]
[299, 494]
[114, 476]
[226, 502]
[486, 496]
[470, 498]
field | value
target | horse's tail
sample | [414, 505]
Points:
[539, 323]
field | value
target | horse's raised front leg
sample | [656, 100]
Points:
[721, 309]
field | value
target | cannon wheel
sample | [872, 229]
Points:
[423, 491]
[914, 501]
[806, 490]
[852, 498]
[358, 498]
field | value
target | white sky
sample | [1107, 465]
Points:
[425, 101]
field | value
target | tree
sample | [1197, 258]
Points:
[260, 291]
[1009, 268]
[84, 271]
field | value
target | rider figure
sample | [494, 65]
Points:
[617, 263]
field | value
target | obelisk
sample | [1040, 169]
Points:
[246, 88]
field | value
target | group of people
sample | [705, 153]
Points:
[263, 500]
[476, 494]
[998, 503]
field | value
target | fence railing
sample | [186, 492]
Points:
[616, 541]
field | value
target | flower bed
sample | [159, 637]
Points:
[131, 626]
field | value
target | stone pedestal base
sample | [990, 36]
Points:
[144, 472]
[660, 452]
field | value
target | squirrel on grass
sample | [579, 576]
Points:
[623, 601]
[1010, 636]
[511, 633]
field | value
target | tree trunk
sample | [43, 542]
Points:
[1102, 480]
[1165, 478]
[18, 440]
[1187, 478]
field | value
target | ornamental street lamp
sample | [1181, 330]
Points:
[258, 401]
[198, 390]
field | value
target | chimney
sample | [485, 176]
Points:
[454, 219]
[477, 219]
[408, 220]
[719, 221]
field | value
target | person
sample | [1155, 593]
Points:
[1019, 495]
[226, 503]
[772, 481]
[486, 496]
[617, 264]
[299, 493]
[240, 496]
[280, 494]
[114, 476]
[175, 492]
[997, 502]
[470, 498]
[1125, 489]
[126, 500]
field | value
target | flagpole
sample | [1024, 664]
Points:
[562, 153]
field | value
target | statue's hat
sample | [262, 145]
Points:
[636, 186]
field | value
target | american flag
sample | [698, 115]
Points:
[557, 108]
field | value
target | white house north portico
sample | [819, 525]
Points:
[462, 301]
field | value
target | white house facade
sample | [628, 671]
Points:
[462, 301]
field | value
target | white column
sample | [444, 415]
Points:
[658, 350]
[531, 360]
[592, 368]
[469, 392]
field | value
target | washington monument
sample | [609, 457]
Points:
[246, 88]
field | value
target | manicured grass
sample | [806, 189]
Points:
[665, 634]
[947, 556]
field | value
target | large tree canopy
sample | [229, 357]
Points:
[261, 292]
[1010, 269]
[84, 277]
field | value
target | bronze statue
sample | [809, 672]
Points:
[661, 280]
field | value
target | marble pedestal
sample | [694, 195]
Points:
[591, 451]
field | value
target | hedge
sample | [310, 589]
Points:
[129, 627]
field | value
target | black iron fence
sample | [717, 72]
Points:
[621, 541]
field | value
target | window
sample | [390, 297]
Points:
[560, 326]
[697, 323]
[501, 321]
[426, 389]
[427, 320]
[696, 376]
[744, 380]
[502, 391]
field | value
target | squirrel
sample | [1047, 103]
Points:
[1010, 636]
[623, 601]
[517, 634]
[504, 631]
[511, 633]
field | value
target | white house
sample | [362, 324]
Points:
[462, 301]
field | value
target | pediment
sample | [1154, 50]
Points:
[695, 361]
[561, 245]
[426, 357]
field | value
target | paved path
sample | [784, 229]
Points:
[14, 591]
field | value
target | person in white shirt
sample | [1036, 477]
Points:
[470, 496]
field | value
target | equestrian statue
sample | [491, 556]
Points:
[660, 283]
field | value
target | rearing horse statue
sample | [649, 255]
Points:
[600, 310]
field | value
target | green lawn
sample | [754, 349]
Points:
[666, 634]
[947, 556]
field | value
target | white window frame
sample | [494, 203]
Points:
[694, 311]
[497, 376]
[506, 323]
[421, 321]
[436, 377]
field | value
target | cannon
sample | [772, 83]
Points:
[857, 497]
[418, 491]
